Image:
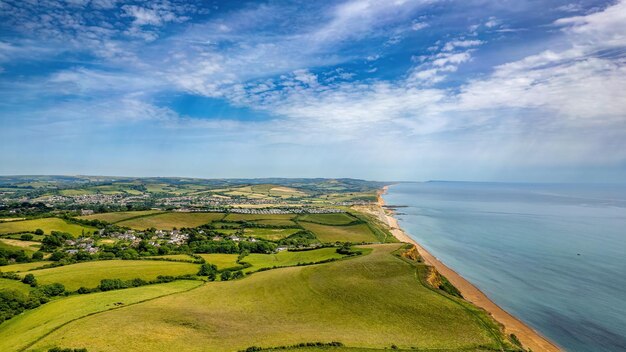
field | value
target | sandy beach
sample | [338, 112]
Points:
[528, 336]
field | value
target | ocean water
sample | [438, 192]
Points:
[552, 255]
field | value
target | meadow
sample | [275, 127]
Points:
[350, 233]
[14, 285]
[46, 224]
[288, 258]
[255, 217]
[89, 274]
[178, 257]
[365, 302]
[269, 233]
[22, 267]
[328, 219]
[169, 221]
[13, 244]
[22, 331]
[119, 216]
[222, 261]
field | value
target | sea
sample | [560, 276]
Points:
[553, 255]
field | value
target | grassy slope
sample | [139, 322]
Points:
[252, 217]
[370, 301]
[89, 274]
[168, 221]
[328, 219]
[181, 257]
[286, 258]
[269, 234]
[13, 244]
[46, 224]
[18, 332]
[352, 233]
[119, 216]
[222, 261]
[8, 284]
[22, 266]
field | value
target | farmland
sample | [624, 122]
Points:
[168, 221]
[328, 219]
[89, 274]
[269, 233]
[119, 216]
[365, 302]
[287, 258]
[7, 284]
[350, 233]
[12, 244]
[222, 261]
[22, 331]
[22, 267]
[46, 224]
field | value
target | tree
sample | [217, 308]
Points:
[38, 255]
[225, 276]
[207, 269]
[39, 232]
[30, 279]
[26, 237]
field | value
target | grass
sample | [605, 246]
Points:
[17, 236]
[286, 258]
[371, 301]
[22, 267]
[14, 285]
[168, 221]
[269, 234]
[352, 233]
[181, 257]
[15, 245]
[46, 224]
[276, 222]
[328, 219]
[89, 274]
[119, 216]
[21, 331]
[222, 261]
[255, 217]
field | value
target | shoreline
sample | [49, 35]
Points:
[529, 337]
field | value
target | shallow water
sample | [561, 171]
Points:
[552, 255]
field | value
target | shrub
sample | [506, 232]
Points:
[26, 237]
[29, 279]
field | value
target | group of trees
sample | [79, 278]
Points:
[211, 272]
[14, 302]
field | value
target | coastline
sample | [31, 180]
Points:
[527, 335]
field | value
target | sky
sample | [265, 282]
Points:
[507, 90]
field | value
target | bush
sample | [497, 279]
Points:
[112, 284]
[29, 279]
[52, 290]
[38, 255]
[26, 237]
[206, 269]
[226, 275]
[39, 232]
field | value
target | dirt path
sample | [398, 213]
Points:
[529, 337]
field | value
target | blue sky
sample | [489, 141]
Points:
[385, 90]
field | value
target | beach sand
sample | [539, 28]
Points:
[528, 336]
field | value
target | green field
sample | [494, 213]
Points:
[287, 258]
[255, 217]
[276, 222]
[89, 274]
[269, 234]
[46, 224]
[21, 331]
[181, 257]
[14, 285]
[328, 219]
[22, 266]
[119, 216]
[352, 233]
[371, 301]
[222, 261]
[168, 221]
[16, 245]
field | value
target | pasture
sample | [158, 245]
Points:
[269, 233]
[119, 216]
[22, 331]
[46, 224]
[222, 261]
[329, 219]
[89, 274]
[371, 301]
[14, 285]
[351, 233]
[179, 257]
[169, 221]
[287, 258]
[15, 245]
[256, 217]
[22, 266]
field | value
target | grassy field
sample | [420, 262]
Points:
[255, 217]
[13, 244]
[351, 233]
[14, 285]
[269, 234]
[276, 222]
[328, 219]
[23, 330]
[222, 261]
[46, 224]
[89, 274]
[22, 266]
[181, 257]
[168, 221]
[119, 216]
[372, 301]
[286, 258]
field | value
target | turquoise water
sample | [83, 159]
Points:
[552, 255]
